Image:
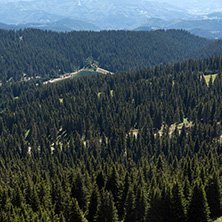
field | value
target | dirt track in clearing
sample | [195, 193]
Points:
[70, 75]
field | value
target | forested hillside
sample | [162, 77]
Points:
[35, 53]
[136, 146]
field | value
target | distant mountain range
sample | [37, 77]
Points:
[62, 25]
[208, 27]
[197, 6]
[68, 15]
[103, 13]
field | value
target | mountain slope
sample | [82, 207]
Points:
[40, 53]
[150, 140]
[211, 27]
[63, 25]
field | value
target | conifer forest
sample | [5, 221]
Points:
[141, 145]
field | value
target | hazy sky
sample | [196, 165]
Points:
[190, 5]
[173, 2]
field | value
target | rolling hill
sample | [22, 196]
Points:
[32, 52]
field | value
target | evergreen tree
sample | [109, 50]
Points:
[141, 205]
[198, 209]
[115, 186]
[130, 207]
[178, 204]
[213, 192]
[76, 213]
[94, 205]
[107, 210]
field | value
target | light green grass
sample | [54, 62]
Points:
[218, 220]
[207, 78]
[2, 111]
[27, 133]
[86, 73]
[179, 126]
[99, 94]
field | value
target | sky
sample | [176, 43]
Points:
[193, 6]
[172, 2]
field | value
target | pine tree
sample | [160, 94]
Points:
[58, 196]
[127, 184]
[141, 205]
[80, 192]
[178, 204]
[94, 205]
[115, 186]
[155, 209]
[76, 213]
[107, 210]
[35, 203]
[130, 207]
[100, 180]
[213, 192]
[198, 210]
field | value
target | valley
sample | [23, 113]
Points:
[80, 73]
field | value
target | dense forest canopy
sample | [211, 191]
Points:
[135, 146]
[35, 53]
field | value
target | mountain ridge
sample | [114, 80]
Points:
[208, 28]
[35, 52]
[105, 14]
[114, 15]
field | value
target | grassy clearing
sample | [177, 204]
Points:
[79, 73]
[100, 93]
[207, 78]
[86, 73]
[179, 126]
[103, 71]
[134, 132]
[218, 220]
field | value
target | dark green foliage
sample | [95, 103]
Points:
[130, 207]
[213, 192]
[178, 204]
[107, 210]
[94, 205]
[137, 146]
[31, 53]
[114, 185]
[141, 205]
[198, 209]
[154, 212]
[79, 191]
[75, 212]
